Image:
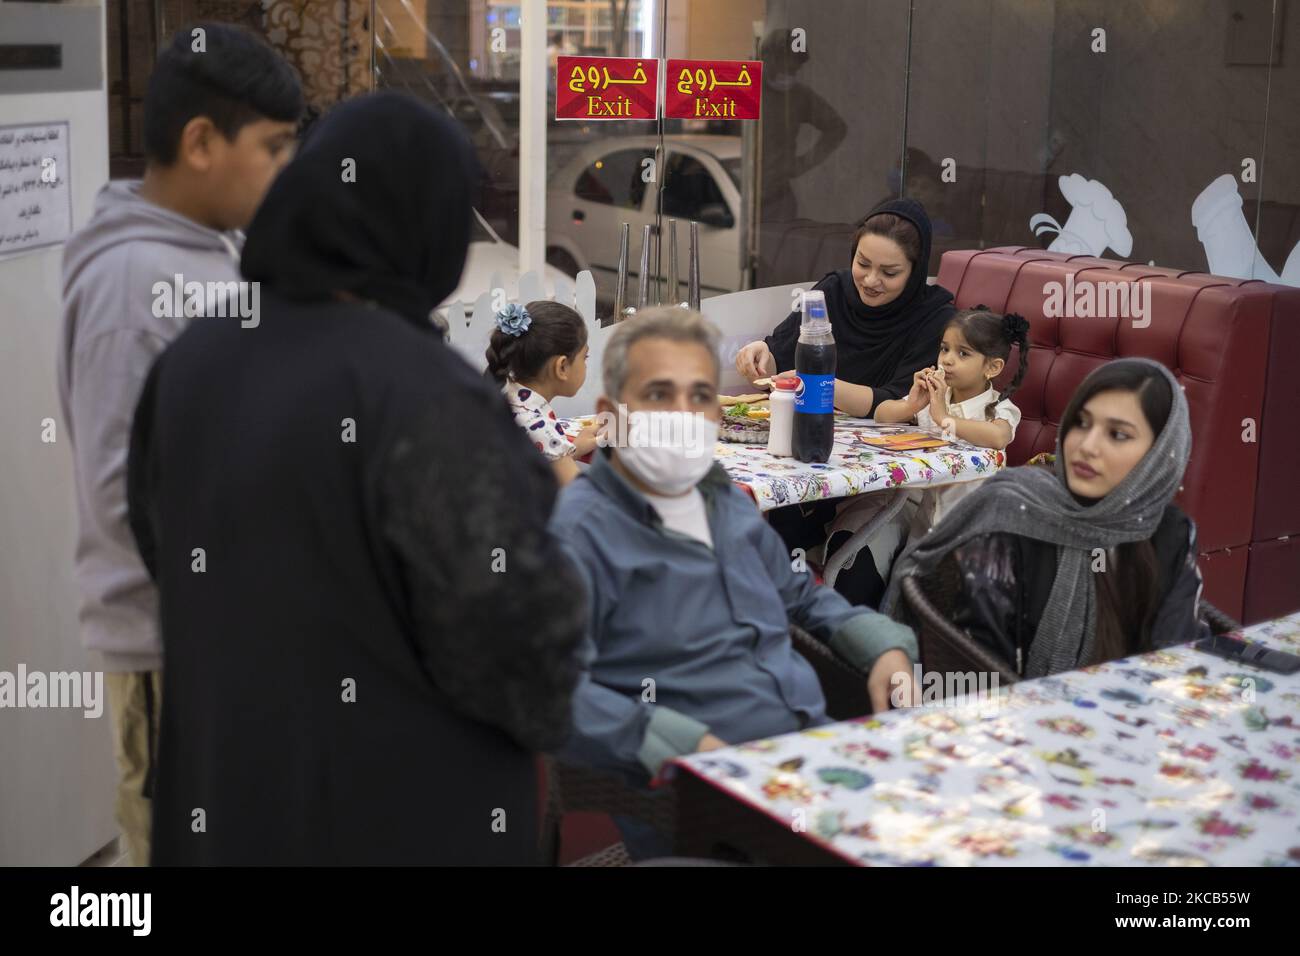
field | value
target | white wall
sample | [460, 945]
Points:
[56, 767]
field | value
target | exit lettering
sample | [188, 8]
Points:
[706, 110]
[598, 107]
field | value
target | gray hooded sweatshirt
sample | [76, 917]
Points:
[111, 335]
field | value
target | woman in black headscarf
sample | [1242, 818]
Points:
[887, 321]
[367, 631]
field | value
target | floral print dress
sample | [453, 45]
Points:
[536, 417]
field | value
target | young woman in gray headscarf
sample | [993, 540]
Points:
[1063, 568]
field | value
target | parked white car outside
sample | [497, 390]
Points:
[605, 184]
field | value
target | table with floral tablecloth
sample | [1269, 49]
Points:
[854, 468]
[1171, 757]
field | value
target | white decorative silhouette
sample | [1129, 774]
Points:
[1097, 221]
[1230, 248]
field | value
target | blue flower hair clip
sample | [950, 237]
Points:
[514, 319]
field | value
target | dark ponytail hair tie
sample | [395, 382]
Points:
[1014, 327]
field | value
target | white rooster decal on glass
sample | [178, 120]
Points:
[1097, 221]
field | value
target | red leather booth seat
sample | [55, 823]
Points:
[1234, 345]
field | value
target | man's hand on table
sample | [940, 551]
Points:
[710, 742]
[890, 681]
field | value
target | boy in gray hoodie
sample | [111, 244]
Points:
[220, 121]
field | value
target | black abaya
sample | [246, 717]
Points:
[381, 633]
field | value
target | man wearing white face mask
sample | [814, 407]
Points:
[690, 592]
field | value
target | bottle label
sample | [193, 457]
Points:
[816, 395]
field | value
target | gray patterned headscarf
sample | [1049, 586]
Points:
[1037, 504]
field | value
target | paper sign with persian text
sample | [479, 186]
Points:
[35, 198]
[713, 89]
[606, 87]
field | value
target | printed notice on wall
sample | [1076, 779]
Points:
[35, 196]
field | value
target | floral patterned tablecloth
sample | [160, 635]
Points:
[1172, 757]
[854, 468]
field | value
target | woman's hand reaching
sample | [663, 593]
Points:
[755, 361]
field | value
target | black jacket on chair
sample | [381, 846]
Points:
[1005, 581]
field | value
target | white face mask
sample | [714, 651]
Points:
[669, 451]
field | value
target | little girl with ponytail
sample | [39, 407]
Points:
[538, 352]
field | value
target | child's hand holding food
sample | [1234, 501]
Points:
[586, 441]
[938, 396]
[919, 396]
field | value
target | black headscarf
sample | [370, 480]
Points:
[881, 346]
[397, 235]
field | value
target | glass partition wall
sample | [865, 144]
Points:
[1163, 131]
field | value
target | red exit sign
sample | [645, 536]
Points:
[606, 87]
[713, 89]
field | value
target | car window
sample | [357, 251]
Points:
[615, 179]
[689, 188]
